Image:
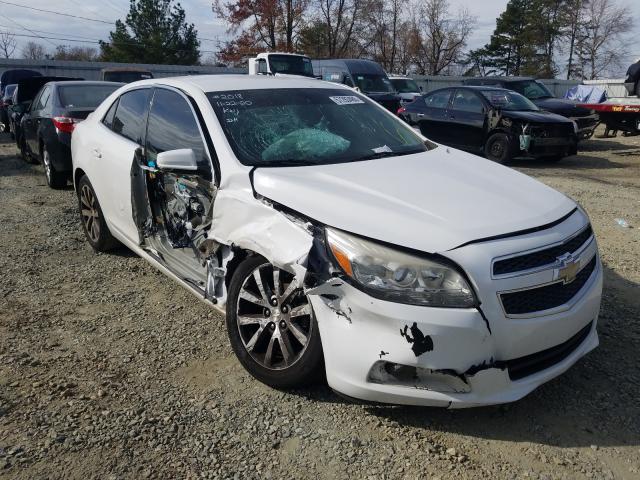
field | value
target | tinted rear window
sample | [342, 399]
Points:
[85, 96]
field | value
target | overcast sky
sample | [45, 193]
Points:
[21, 20]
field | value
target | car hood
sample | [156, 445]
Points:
[566, 108]
[541, 117]
[432, 201]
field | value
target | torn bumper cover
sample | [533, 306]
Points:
[393, 353]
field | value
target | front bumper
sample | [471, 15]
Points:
[586, 125]
[462, 356]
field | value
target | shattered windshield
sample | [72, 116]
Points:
[315, 126]
[531, 89]
[507, 100]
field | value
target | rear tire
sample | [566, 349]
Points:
[499, 148]
[54, 179]
[95, 228]
[24, 154]
[275, 346]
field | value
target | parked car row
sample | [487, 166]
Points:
[41, 113]
[339, 241]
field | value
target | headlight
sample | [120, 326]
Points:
[397, 276]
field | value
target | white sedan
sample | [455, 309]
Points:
[338, 240]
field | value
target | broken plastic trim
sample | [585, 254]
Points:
[389, 373]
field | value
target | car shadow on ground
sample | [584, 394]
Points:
[575, 162]
[593, 403]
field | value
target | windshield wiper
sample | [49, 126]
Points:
[287, 162]
[374, 156]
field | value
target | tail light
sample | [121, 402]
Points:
[65, 124]
[401, 110]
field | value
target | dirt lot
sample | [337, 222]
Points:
[110, 370]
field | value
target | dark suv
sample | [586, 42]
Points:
[538, 93]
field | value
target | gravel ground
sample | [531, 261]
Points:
[110, 370]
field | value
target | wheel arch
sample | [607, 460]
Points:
[77, 175]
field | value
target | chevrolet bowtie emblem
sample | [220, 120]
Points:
[567, 268]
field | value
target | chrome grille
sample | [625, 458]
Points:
[541, 258]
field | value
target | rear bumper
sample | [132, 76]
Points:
[60, 156]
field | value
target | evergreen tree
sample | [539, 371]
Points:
[155, 31]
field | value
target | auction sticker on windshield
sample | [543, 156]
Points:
[346, 100]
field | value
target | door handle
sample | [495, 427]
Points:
[421, 114]
[97, 153]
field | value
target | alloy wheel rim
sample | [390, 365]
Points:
[496, 149]
[47, 164]
[89, 212]
[274, 317]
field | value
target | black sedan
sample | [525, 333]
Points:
[48, 124]
[499, 123]
[538, 93]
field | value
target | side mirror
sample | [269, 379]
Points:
[420, 87]
[182, 159]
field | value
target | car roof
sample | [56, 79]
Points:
[223, 82]
[76, 83]
[474, 88]
[353, 65]
[502, 79]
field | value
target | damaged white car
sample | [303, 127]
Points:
[335, 237]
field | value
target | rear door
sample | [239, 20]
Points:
[120, 139]
[433, 122]
[467, 119]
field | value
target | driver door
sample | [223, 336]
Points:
[172, 208]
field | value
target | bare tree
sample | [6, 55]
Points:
[7, 44]
[384, 18]
[572, 19]
[33, 51]
[439, 38]
[600, 42]
[86, 54]
[339, 18]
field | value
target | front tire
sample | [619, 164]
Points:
[499, 148]
[271, 326]
[95, 228]
[54, 179]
